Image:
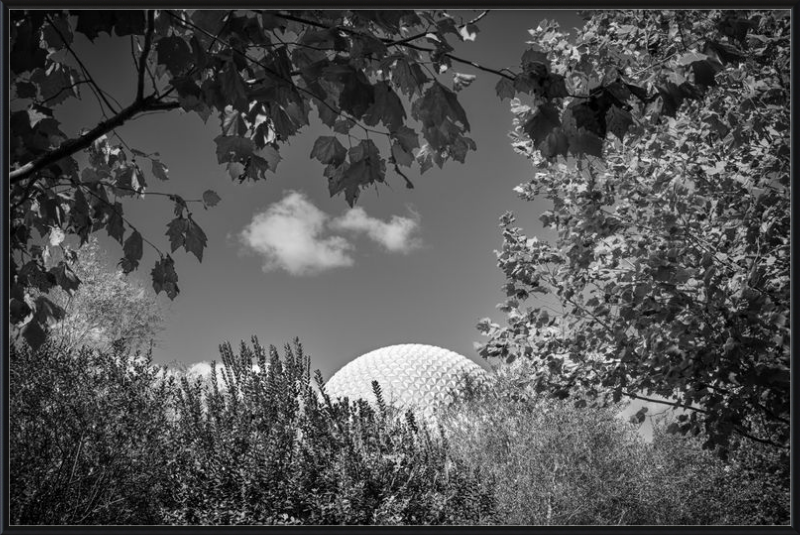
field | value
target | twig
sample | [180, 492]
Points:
[148, 37]
[101, 93]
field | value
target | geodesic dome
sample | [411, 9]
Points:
[411, 376]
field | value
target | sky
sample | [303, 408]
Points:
[285, 260]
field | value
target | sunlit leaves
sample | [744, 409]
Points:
[460, 81]
[663, 244]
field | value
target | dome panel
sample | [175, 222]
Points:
[415, 376]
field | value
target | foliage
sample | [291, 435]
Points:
[107, 307]
[84, 428]
[375, 79]
[671, 265]
[554, 464]
[261, 448]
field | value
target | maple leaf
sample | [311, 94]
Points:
[505, 88]
[56, 84]
[174, 53]
[115, 225]
[132, 249]
[583, 141]
[328, 150]
[233, 148]
[196, 239]
[210, 198]
[234, 87]
[160, 170]
[387, 108]
[401, 156]
[542, 123]
[176, 231]
[407, 138]
[165, 278]
[408, 77]
[437, 105]
[705, 72]
[618, 120]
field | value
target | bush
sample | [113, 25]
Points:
[85, 427]
[263, 448]
[555, 464]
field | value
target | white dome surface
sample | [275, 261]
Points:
[414, 376]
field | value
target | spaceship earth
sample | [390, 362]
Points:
[411, 376]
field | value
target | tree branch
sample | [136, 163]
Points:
[148, 37]
[72, 146]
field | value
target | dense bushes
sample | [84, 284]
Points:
[557, 465]
[105, 438]
[102, 438]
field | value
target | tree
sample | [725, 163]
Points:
[376, 79]
[671, 266]
[108, 306]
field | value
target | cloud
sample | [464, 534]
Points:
[396, 236]
[288, 236]
[299, 238]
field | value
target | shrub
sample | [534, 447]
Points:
[85, 427]
[263, 448]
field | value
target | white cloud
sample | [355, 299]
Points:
[288, 236]
[299, 238]
[396, 236]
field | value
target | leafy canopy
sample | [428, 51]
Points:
[670, 273]
[378, 80]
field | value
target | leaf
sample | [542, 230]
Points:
[210, 198]
[584, 142]
[437, 105]
[115, 226]
[56, 31]
[460, 81]
[56, 236]
[56, 83]
[328, 150]
[165, 278]
[539, 126]
[387, 108]
[407, 138]
[160, 170]
[233, 87]
[408, 77]
[65, 278]
[174, 53]
[618, 120]
[691, 57]
[33, 334]
[133, 250]
[176, 231]
[725, 53]
[556, 143]
[535, 62]
[401, 156]
[505, 88]
[233, 148]
[196, 239]
[705, 72]
[469, 32]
